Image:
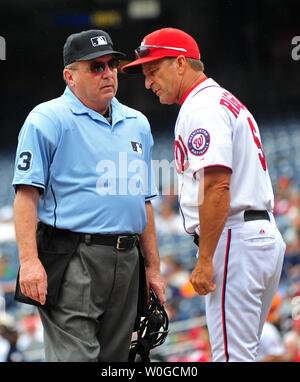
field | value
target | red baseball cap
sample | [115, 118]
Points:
[165, 42]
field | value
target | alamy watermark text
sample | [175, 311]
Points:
[2, 48]
[296, 49]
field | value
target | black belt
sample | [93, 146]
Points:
[121, 242]
[248, 216]
[256, 215]
[196, 239]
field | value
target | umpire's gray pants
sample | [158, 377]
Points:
[97, 307]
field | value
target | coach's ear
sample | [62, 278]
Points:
[181, 64]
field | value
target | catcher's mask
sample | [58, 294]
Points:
[152, 331]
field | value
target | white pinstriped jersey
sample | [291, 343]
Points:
[214, 128]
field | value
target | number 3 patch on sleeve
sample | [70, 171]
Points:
[24, 161]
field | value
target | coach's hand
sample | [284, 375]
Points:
[33, 280]
[202, 276]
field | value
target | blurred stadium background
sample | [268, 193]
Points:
[247, 47]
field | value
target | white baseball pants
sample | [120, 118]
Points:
[247, 266]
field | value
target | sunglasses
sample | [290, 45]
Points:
[99, 66]
[144, 50]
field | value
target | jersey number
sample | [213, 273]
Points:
[261, 154]
[24, 161]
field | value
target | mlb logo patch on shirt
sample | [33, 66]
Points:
[137, 147]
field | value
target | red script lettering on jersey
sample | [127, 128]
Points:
[232, 103]
[181, 156]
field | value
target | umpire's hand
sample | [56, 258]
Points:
[33, 280]
[155, 280]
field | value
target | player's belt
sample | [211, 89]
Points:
[121, 242]
[248, 216]
[256, 215]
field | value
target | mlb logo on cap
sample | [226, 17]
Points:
[99, 40]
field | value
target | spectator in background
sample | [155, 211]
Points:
[282, 201]
[9, 351]
[287, 215]
[4, 346]
[30, 340]
[7, 280]
[7, 229]
[14, 354]
[294, 212]
[168, 221]
[277, 343]
[291, 343]
[271, 347]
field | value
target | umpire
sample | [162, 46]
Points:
[84, 185]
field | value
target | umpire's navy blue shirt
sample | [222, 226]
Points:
[94, 177]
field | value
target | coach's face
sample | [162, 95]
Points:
[95, 89]
[162, 78]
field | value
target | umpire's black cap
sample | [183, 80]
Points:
[88, 45]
